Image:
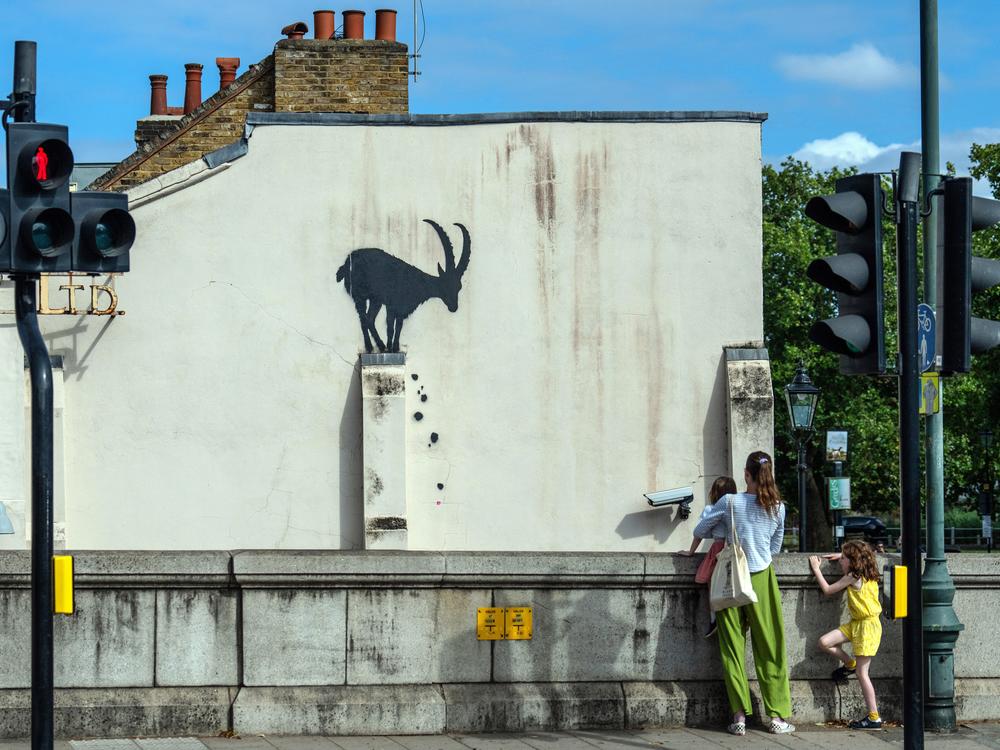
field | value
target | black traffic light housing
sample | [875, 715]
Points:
[857, 334]
[39, 164]
[104, 232]
[50, 229]
[963, 335]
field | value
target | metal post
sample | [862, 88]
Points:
[40, 368]
[941, 625]
[909, 446]
[42, 605]
[802, 491]
[838, 515]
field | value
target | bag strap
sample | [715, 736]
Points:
[732, 523]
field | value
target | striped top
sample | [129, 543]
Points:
[719, 531]
[760, 532]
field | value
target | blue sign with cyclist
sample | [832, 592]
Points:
[925, 336]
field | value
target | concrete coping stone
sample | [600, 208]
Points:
[382, 568]
[326, 568]
[544, 568]
[129, 568]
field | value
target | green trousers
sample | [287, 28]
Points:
[767, 635]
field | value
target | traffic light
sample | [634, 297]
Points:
[104, 232]
[857, 334]
[962, 335]
[4, 227]
[39, 163]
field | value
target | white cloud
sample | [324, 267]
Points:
[852, 149]
[860, 67]
[849, 149]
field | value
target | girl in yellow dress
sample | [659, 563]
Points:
[864, 631]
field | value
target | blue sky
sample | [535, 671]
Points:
[839, 80]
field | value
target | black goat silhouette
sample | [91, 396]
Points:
[375, 279]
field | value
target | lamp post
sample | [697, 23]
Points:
[801, 396]
[986, 494]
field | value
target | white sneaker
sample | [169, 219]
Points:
[780, 726]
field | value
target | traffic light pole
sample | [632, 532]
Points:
[941, 625]
[909, 446]
[42, 604]
[40, 368]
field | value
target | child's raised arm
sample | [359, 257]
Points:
[829, 589]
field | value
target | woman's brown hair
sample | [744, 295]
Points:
[861, 560]
[720, 488]
[761, 470]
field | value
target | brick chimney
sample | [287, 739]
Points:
[192, 90]
[227, 70]
[357, 75]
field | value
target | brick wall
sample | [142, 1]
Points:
[149, 128]
[304, 75]
[341, 75]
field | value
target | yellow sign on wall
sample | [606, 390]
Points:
[518, 624]
[62, 576]
[489, 623]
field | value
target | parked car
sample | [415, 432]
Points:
[872, 529]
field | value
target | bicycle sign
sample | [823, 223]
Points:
[925, 336]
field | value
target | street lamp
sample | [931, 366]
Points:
[801, 396]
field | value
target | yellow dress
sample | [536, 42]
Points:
[865, 628]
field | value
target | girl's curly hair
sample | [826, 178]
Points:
[861, 560]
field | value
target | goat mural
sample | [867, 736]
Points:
[375, 279]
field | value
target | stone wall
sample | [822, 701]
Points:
[384, 642]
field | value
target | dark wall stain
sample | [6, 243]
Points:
[434, 437]
[415, 376]
[386, 384]
[386, 523]
[440, 486]
[423, 398]
[418, 415]
[374, 483]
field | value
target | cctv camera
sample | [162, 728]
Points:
[680, 496]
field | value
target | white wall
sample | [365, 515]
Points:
[611, 262]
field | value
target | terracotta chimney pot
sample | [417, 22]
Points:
[295, 30]
[385, 24]
[354, 24]
[227, 70]
[192, 90]
[323, 24]
[158, 94]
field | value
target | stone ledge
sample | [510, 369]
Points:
[331, 568]
[354, 710]
[697, 703]
[123, 712]
[129, 569]
[521, 707]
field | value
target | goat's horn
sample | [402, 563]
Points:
[463, 262]
[449, 251]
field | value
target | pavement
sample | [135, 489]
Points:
[811, 737]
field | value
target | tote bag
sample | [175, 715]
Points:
[731, 585]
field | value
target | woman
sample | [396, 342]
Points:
[760, 524]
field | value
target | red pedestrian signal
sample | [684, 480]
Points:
[40, 165]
